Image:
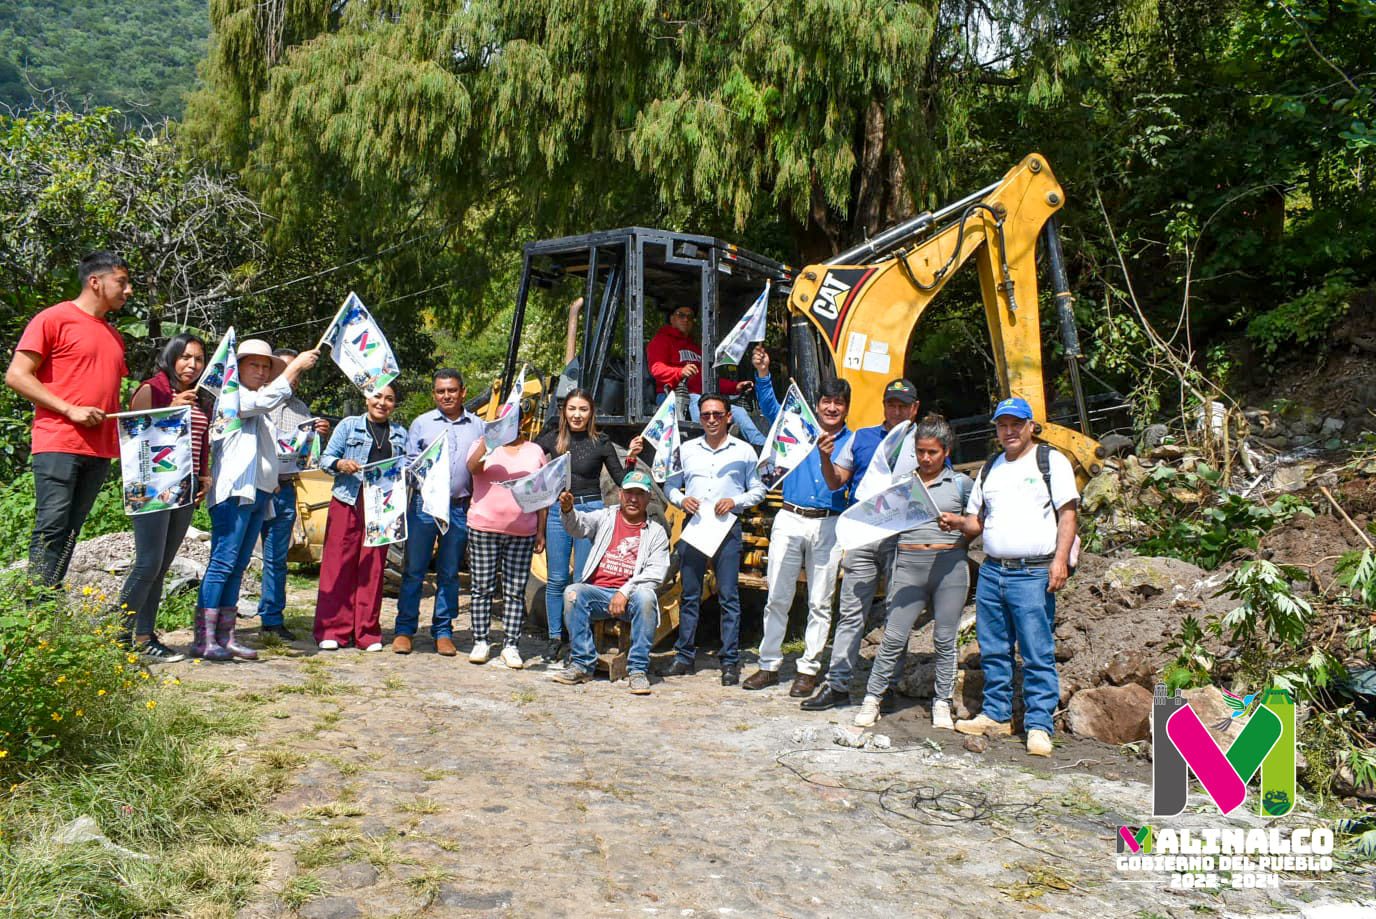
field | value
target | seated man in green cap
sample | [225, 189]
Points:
[628, 561]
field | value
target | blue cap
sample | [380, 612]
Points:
[1016, 406]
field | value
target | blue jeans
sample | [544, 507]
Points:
[1012, 606]
[234, 529]
[588, 604]
[739, 415]
[560, 549]
[422, 533]
[276, 543]
[727, 565]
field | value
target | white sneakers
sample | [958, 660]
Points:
[868, 714]
[1038, 743]
[375, 646]
[329, 644]
[481, 653]
[512, 658]
[941, 715]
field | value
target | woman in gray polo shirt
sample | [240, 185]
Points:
[930, 571]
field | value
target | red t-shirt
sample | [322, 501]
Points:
[82, 362]
[617, 566]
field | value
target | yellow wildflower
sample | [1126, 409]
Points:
[57, 716]
[152, 705]
[62, 679]
[100, 692]
[132, 658]
[87, 590]
[143, 675]
[4, 753]
[81, 713]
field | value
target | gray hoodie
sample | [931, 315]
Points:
[652, 558]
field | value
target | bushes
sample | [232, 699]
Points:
[62, 674]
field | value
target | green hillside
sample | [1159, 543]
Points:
[137, 55]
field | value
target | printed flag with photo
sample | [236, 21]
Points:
[662, 436]
[300, 452]
[213, 376]
[541, 488]
[792, 437]
[904, 504]
[226, 419]
[359, 347]
[894, 459]
[430, 471]
[384, 502]
[503, 429]
[155, 459]
[749, 329]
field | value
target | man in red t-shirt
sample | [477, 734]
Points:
[628, 560]
[69, 363]
[674, 355]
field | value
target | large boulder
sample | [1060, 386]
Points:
[1112, 714]
[1150, 575]
[1103, 492]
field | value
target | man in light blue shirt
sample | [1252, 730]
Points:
[803, 538]
[718, 476]
[450, 419]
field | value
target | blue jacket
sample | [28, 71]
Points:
[351, 441]
[805, 486]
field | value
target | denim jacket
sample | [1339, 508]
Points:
[351, 441]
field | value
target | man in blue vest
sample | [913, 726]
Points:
[803, 538]
[863, 567]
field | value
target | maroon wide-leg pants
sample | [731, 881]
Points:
[350, 598]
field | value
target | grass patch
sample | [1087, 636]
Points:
[427, 884]
[421, 806]
[158, 783]
[393, 684]
[524, 696]
[796, 646]
[302, 889]
[329, 848]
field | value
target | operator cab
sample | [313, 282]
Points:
[629, 280]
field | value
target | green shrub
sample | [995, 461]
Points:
[17, 512]
[1307, 318]
[62, 674]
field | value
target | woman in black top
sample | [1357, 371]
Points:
[589, 453]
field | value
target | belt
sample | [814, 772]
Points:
[811, 513]
[1032, 561]
[941, 547]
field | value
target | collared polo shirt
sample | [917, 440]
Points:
[805, 486]
[712, 474]
[463, 432]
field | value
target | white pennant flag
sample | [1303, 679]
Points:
[792, 437]
[213, 376]
[895, 458]
[359, 347]
[503, 429]
[904, 504]
[542, 488]
[384, 502]
[749, 329]
[662, 436]
[431, 470]
[155, 459]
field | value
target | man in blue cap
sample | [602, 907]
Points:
[1024, 502]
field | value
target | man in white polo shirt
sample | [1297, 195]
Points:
[1024, 502]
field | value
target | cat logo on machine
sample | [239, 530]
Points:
[834, 297]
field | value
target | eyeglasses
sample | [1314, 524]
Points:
[684, 314]
[705, 415]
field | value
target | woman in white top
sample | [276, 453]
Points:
[244, 474]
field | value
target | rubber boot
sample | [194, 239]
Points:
[224, 634]
[198, 634]
[211, 649]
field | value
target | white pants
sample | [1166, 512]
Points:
[796, 544]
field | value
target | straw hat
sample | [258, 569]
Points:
[256, 347]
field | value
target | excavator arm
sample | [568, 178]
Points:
[866, 302]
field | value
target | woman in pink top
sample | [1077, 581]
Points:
[501, 537]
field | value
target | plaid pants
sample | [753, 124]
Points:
[489, 553]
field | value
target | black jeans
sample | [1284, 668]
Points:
[157, 537]
[65, 486]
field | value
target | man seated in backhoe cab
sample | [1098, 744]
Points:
[675, 359]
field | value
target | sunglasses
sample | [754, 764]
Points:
[706, 415]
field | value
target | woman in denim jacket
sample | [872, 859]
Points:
[350, 598]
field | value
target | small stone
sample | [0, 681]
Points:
[1293, 478]
[878, 742]
[976, 744]
[804, 735]
[1117, 445]
[848, 737]
[1152, 437]
[350, 876]
[464, 899]
[330, 908]
[1332, 427]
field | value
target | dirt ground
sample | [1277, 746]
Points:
[427, 786]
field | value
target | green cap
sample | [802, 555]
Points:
[637, 479]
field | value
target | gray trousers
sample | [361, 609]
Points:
[861, 570]
[157, 537]
[923, 579]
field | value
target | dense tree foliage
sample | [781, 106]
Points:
[137, 55]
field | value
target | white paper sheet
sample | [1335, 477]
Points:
[706, 530]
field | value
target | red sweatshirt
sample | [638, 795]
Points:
[669, 352]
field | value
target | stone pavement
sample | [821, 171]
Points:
[428, 786]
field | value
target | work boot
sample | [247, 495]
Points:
[760, 679]
[207, 637]
[983, 724]
[224, 634]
